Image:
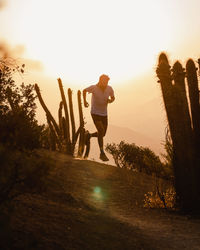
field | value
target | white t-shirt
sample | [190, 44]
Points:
[100, 97]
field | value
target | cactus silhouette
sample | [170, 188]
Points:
[71, 114]
[60, 121]
[68, 140]
[82, 129]
[185, 161]
[192, 81]
[48, 114]
[60, 138]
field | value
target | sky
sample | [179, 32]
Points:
[79, 40]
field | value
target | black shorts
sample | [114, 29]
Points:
[103, 119]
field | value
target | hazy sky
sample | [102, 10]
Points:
[78, 40]
[81, 39]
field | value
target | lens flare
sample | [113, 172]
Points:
[98, 194]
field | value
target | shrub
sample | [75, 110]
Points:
[166, 199]
[18, 126]
[21, 172]
[141, 159]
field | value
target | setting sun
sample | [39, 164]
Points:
[79, 40]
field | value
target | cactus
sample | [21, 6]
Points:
[52, 135]
[87, 151]
[60, 117]
[49, 115]
[165, 79]
[64, 128]
[82, 129]
[73, 127]
[68, 140]
[192, 81]
[178, 115]
[60, 134]
[185, 170]
[199, 65]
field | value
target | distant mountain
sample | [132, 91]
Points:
[115, 134]
[147, 119]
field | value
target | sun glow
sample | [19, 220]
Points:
[79, 40]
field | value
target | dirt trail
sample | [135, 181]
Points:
[108, 204]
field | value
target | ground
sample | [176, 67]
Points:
[89, 205]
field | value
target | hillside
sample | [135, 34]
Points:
[89, 205]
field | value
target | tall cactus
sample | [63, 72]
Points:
[64, 128]
[73, 127]
[192, 81]
[52, 135]
[60, 115]
[82, 129]
[176, 105]
[49, 115]
[60, 134]
[186, 181]
[68, 140]
[199, 65]
[165, 78]
[87, 151]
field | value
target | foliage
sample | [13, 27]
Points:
[20, 134]
[155, 200]
[141, 159]
[22, 169]
[45, 137]
[21, 172]
[18, 126]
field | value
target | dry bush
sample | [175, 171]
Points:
[163, 195]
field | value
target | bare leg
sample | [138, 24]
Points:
[101, 130]
[101, 124]
[100, 134]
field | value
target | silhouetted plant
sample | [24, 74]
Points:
[21, 172]
[192, 80]
[165, 199]
[60, 136]
[81, 145]
[133, 157]
[184, 128]
[67, 123]
[18, 126]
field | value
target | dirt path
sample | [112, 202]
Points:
[95, 206]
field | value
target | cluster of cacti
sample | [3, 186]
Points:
[183, 114]
[60, 137]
